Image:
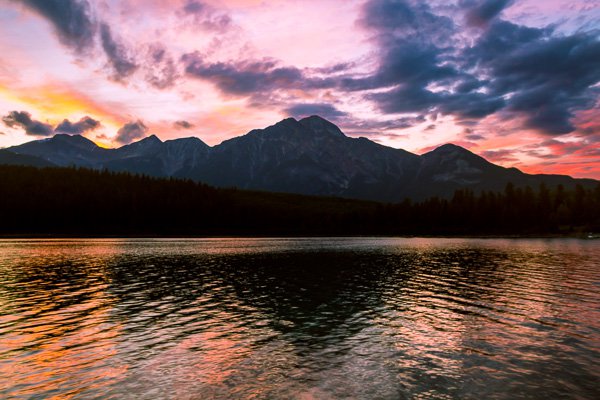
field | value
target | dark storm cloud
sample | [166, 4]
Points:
[324, 110]
[182, 125]
[249, 78]
[83, 125]
[536, 73]
[546, 77]
[404, 18]
[71, 20]
[416, 56]
[131, 131]
[470, 105]
[119, 59]
[411, 39]
[484, 11]
[22, 119]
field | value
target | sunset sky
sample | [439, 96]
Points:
[517, 82]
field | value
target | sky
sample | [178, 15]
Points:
[516, 81]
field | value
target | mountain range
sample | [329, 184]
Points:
[308, 156]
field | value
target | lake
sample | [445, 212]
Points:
[313, 318]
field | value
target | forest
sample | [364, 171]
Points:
[74, 201]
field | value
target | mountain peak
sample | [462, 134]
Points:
[74, 140]
[321, 126]
[145, 146]
[192, 141]
[448, 147]
[287, 121]
[150, 139]
[315, 118]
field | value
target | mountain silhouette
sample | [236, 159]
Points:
[309, 156]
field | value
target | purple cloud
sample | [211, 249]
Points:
[131, 131]
[71, 20]
[22, 119]
[83, 125]
[324, 110]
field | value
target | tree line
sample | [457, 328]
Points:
[75, 201]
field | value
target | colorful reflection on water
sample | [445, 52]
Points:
[299, 318]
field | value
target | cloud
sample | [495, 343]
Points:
[474, 137]
[336, 68]
[426, 66]
[378, 128]
[427, 62]
[161, 69]
[486, 10]
[22, 119]
[78, 28]
[121, 62]
[502, 155]
[324, 110]
[552, 148]
[71, 20]
[415, 54]
[131, 131]
[182, 125]
[206, 17]
[415, 58]
[591, 152]
[546, 78]
[406, 21]
[83, 125]
[194, 7]
[245, 78]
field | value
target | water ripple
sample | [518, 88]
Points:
[299, 318]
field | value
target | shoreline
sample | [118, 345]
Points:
[37, 236]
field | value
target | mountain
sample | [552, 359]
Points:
[64, 150]
[450, 167]
[10, 158]
[149, 156]
[310, 156]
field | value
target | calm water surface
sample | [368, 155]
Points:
[300, 318]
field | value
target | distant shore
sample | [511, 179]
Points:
[258, 236]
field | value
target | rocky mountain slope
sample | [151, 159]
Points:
[309, 156]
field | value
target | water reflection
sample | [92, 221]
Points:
[299, 318]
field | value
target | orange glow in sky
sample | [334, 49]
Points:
[515, 82]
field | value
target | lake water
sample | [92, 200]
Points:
[322, 318]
